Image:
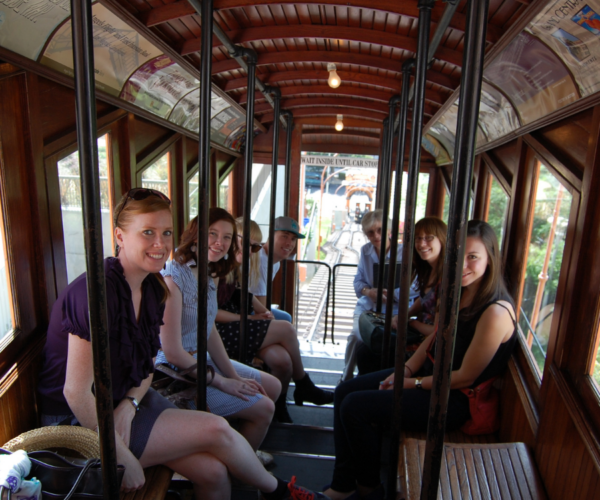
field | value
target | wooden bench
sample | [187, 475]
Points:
[19, 408]
[473, 471]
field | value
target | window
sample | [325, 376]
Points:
[498, 208]
[156, 176]
[193, 196]
[71, 208]
[423, 185]
[546, 245]
[224, 198]
[6, 314]
[595, 371]
[446, 212]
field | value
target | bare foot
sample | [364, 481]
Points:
[337, 495]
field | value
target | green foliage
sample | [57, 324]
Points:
[498, 210]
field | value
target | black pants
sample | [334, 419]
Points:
[359, 407]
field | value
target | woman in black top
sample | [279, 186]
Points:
[485, 337]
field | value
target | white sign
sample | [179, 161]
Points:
[335, 161]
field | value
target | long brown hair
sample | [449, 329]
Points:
[128, 208]
[422, 271]
[187, 250]
[255, 234]
[492, 286]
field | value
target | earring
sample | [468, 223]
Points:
[193, 248]
[226, 256]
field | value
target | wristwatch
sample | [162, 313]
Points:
[134, 402]
[419, 383]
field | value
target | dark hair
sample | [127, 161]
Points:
[185, 251]
[128, 208]
[492, 286]
[422, 271]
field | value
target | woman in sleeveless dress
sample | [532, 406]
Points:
[237, 390]
[485, 337]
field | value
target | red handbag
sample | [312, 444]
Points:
[484, 405]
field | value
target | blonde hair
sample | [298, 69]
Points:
[255, 234]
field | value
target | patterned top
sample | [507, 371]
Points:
[429, 304]
[184, 278]
[133, 343]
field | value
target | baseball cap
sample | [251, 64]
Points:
[288, 224]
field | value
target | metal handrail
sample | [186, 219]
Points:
[318, 263]
[534, 335]
[333, 299]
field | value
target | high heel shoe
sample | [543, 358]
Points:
[307, 391]
[281, 412]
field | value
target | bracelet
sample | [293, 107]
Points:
[134, 402]
[210, 369]
[408, 368]
[364, 290]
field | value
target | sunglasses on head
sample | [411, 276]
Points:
[254, 247]
[139, 194]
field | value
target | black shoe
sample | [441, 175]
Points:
[307, 391]
[281, 412]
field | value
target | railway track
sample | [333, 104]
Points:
[342, 247]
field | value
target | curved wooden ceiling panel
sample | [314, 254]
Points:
[368, 40]
[177, 10]
[360, 35]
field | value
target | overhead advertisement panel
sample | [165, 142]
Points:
[119, 50]
[25, 25]
[158, 85]
[497, 117]
[532, 77]
[571, 28]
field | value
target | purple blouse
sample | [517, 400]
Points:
[132, 344]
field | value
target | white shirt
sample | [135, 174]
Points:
[260, 288]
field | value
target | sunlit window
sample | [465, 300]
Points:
[595, 370]
[421, 196]
[225, 200]
[546, 246]
[6, 314]
[446, 212]
[71, 208]
[193, 196]
[156, 176]
[498, 208]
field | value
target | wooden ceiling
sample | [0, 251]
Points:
[368, 40]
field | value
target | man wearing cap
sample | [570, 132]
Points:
[285, 237]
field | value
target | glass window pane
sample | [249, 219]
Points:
[156, 176]
[446, 212]
[6, 316]
[193, 196]
[498, 210]
[224, 199]
[595, 370]
[71, 209]
[546, 246]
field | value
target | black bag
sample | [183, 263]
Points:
[370, 326]
[67, 478]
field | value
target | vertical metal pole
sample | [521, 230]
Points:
[404, 291]
[468, 114]
[386, 174]
[406, 69]
[425, 7]
[380, 180]
[275, 160]
[206, 10]
[251, 61]
[85, 93]
[286, 210]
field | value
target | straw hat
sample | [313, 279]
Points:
[80, 439]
